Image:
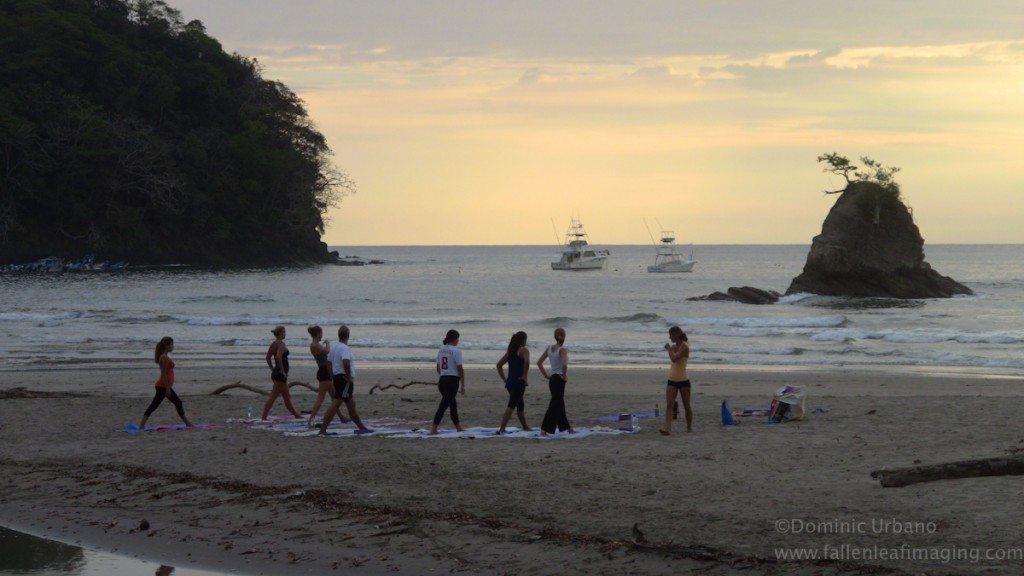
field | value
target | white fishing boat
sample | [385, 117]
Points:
[577, 253]
[667, 257]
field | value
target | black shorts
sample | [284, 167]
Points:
[677, 385]
[323, 374]
[278, 376]
[342, 387]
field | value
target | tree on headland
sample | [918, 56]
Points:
[879, 173]
[128, 132]
[882, 176]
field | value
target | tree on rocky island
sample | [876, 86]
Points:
[128, 132]
[869, 244]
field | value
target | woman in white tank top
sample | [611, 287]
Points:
[558, 357]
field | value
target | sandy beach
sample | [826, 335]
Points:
[720, 500]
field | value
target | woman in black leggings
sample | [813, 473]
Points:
[164, 386]
[452, 380]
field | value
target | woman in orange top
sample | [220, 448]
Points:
[164, 386]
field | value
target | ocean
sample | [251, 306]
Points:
[400, 308]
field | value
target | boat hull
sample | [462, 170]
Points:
[672, 267]
[588, 264]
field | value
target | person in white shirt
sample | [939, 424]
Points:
[558, 356]
[452, 379]
[343, 369]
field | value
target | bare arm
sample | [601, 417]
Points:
[677, 352]
[165, 379]
[501, 365]
[270, 353]
[462, 379]
[279, 355]
[564, 354]
[540, 364]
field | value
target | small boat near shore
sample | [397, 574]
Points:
[667, 258]
[53, 264]
[577, 253]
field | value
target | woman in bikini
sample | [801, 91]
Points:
[319, 348]
[277, 361]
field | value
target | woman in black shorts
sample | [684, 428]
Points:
[277, 361]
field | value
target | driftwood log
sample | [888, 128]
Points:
[998, 466]
[255, 390]
[400, 386]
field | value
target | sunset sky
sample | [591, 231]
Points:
[495, 121]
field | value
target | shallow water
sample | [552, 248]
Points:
[27, 555]
[400, 310]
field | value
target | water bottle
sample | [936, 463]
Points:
[248, 412]
[656, 413]
[635, 422]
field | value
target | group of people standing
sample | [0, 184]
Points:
[336, 378]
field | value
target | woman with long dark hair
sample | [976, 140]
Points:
[517, 356]
[165, 385]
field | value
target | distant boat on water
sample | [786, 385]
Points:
[667, 258]
[577, 253]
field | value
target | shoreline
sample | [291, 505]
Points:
[259, 502]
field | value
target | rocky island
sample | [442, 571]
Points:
[869, 245]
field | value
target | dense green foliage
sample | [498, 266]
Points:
[875, 189]
[129, 133]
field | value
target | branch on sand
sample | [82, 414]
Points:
[255, 390]
[400, 386]
[998, 466]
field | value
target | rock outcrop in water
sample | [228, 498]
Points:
[744, 295]
[870, 246]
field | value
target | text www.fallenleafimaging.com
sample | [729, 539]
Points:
[887, 527]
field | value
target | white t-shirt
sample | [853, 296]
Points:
[449, 358]
[337, 356]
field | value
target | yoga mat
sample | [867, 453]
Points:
[134, 429]
[626, 416]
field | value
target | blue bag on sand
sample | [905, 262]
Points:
[727, 419]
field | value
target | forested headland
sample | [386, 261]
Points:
[129, 133]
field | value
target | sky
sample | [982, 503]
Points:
[493, 122]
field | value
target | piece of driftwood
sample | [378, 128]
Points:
[400, 386]
[259, 391]
[998, 466]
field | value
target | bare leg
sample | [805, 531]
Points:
[325, 388]
[329, 415]
[522, 420]
[274, 393]
[670, 397]
[504, 420]
[686, 408]
[287, 395]
[351, 404]
[142, 425]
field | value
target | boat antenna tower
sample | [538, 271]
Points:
[649, 232]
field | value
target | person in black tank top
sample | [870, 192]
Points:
[517, 356]
[277, 361]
